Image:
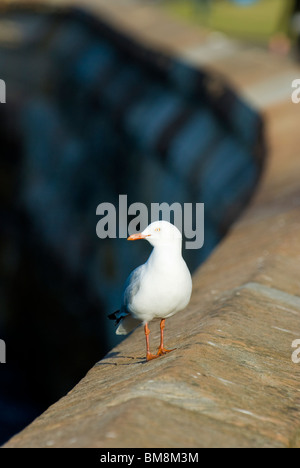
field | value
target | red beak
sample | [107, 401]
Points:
[137, 237]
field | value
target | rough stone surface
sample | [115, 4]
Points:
[231, 381]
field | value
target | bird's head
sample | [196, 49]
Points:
[159, 233]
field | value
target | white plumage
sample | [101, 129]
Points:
[161, 287]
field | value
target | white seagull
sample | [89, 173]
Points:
[159, 288]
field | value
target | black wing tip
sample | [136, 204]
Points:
[115, 318]
[114, 315]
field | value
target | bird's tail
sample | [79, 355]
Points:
[126, 323]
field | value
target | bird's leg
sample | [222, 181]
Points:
[161, 349]
[149, 356]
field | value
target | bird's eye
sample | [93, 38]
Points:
[157, 229]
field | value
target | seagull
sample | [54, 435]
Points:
[159, 288]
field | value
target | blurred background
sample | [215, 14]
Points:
[92, 114]
[269, 23]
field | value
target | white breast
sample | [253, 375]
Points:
[164, 289]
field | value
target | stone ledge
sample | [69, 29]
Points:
[230, 382]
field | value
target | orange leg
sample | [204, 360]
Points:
[149, 356]
[161, 349]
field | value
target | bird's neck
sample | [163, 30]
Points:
[166, 254]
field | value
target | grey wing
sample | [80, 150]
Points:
[126, 322]
[132, 287]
